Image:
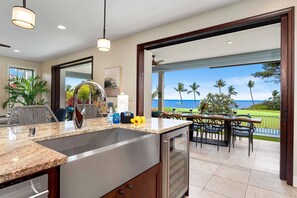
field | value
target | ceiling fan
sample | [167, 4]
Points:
[156, 63]
[2, 45]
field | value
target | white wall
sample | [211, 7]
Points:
[5, 62]
[123, 51]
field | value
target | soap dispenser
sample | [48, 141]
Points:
[110, 116]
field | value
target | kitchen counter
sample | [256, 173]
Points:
[21, 156]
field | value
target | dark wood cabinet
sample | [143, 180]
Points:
[145, 185]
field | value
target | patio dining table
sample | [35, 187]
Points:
[227, 125]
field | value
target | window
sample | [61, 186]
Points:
[20, 72]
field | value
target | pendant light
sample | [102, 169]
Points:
[23, 17]
[103, 44]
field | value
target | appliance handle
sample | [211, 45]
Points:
[167, 163]
[39, 194]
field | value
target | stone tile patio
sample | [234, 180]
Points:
[220, 174]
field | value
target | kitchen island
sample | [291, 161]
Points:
[21, 155]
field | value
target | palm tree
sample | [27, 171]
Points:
[231, 91]
[180, 88]
[275, 95]
[194, 88]
[219, 84]
[251, 84]
[155, 93]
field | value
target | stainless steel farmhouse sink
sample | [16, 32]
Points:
[100, 161]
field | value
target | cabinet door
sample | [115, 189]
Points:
[124, 191]
[148, 184]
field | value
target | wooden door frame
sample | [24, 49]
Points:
[286, 18]
[56, 72]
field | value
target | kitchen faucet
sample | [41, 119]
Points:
[78, 116]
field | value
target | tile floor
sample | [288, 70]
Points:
[220, 174]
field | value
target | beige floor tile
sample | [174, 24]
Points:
[268, 181]
[194, 191]
[198, 178]
[275, 160]
[208, 194]
[239, 161]
[268, 143]
[233, 174]
[265, 166]
[203, 166]
[268, 153]
[254, 192]
[271, 148]
[208, 147]
[226, 187]
[243, 153]
[217, 156]
[198, 151]
[293, 192]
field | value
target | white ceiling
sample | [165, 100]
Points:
[252, 40]
[84, 21]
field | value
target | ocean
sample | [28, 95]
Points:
[191, 103]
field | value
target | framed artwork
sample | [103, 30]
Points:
[113, 81]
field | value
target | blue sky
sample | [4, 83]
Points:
[206, 78]
[73, 81]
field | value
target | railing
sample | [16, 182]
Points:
[270, 126]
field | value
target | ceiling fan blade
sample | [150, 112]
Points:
[159, 61]
[2, 45]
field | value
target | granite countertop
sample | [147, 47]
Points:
[21, 156]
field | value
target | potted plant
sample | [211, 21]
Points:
[25, 91]
[111, 87]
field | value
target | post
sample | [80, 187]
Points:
[161, 91]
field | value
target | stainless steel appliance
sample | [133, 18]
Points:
[34, 188]
[175, 163]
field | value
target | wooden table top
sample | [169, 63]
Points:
[218, 117]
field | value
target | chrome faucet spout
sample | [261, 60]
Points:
[78, 116]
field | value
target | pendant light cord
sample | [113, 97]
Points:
[104, 18]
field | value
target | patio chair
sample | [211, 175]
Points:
[176, 116]
[240, 129]
[91, 111]
[28, 115]
[60, 114]
[198, 127]
[213, 126]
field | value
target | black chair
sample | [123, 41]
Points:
[212, 126]
[60, 114]
[242, 128]
[197, 127]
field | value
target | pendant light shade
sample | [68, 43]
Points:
[103, 44]
[23, 17]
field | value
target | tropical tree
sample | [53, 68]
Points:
[216, 104]
[219, 84]
[194, 87]
[180, 88]
[251, 84]
[275, 95]
[155, 93]
[270, 71]
[231, 91]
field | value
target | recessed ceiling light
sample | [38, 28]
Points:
[230, 42]
[61, 27]
[17, 51]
